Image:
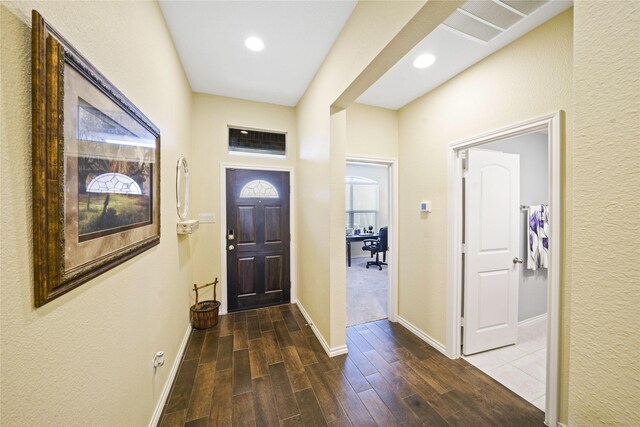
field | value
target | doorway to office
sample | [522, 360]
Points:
[369, 248]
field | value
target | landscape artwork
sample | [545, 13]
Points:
[115, 165]
[95, 170]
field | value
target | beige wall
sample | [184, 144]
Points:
[337, 271]
[528, 78]
[210, 116]
[604, 356]
[369, 29]
[85, 358]
[372, 131]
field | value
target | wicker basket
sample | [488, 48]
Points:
[204, 315]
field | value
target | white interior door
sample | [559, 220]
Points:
[492, 221]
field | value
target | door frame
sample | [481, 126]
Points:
[392, 163]
[223, 225]
[553, 124]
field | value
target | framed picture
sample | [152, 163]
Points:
[96, 170]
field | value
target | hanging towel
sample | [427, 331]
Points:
[538, 249]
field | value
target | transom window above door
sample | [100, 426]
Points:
[256, 142]
[361, 202]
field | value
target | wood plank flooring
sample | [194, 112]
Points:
[265, 367]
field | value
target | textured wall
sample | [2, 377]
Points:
[85, 358]
[604, 364]
[372, 131]
[526, 79]
[210, 116]
[370, 27]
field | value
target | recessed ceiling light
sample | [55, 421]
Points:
[254, 44]
[425, 60]
[244, 132]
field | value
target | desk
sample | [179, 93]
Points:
[356, 238]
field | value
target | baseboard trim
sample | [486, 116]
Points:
[331, 352]
[423, 336]
[533, 320]
[157, 413]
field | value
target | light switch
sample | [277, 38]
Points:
[207, 218]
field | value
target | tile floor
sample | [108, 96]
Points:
[520, 367]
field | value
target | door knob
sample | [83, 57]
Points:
[517, 260]
[231, 247]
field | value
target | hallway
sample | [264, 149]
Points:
[265, 367]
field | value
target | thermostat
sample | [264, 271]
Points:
[425, 206]
[188, 227]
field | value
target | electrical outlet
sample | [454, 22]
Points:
[158, 359]
[207, 218]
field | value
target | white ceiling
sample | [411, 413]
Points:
[454, 53]
[210, 35]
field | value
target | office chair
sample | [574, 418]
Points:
[377, 246]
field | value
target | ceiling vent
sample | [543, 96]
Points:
[492, 13]
[483, 20]
[468, 25]
[525, 6]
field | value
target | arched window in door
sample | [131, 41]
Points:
[259, 188]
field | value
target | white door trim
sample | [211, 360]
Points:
[392, 162]
[552, 123]
[223, 225]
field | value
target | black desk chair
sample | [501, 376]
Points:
[377, 246]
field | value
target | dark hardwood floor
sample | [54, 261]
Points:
[265, 367]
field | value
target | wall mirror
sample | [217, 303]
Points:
[182, 188]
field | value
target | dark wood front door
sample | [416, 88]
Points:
[257, 238]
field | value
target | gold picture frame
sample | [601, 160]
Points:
[96, 170]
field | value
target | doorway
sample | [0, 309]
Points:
[488, 266]
[506, 302]
[371, 202]
[366, 229]
[257, 238]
